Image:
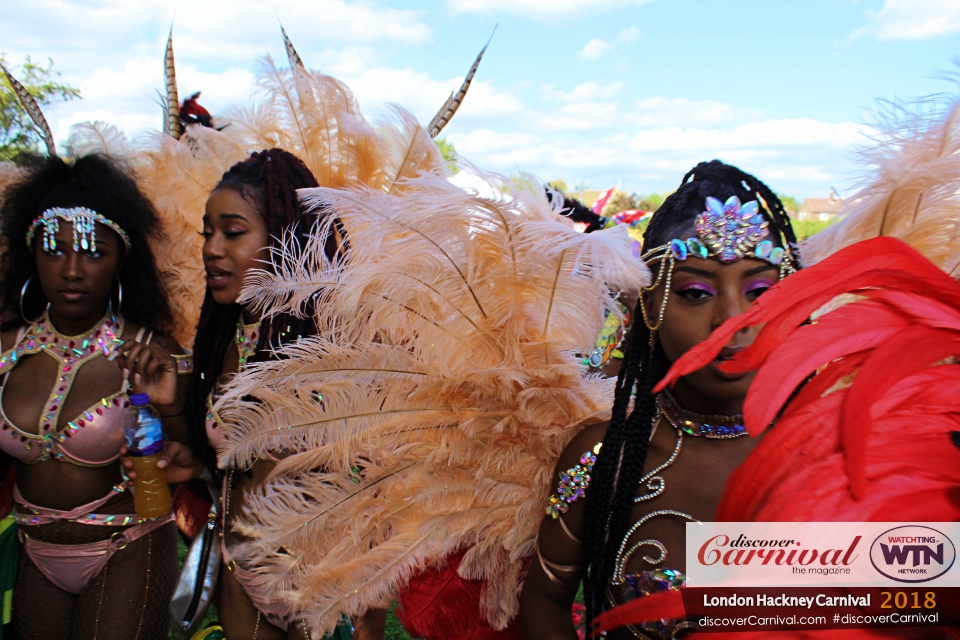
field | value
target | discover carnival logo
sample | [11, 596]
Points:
[912, 554]
[807, 554]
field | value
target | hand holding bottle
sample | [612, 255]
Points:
[144, 439]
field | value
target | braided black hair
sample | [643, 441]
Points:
[577, 211]
[269, 180]
[619, 466]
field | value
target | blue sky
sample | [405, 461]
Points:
[594, 91]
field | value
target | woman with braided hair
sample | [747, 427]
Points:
[626, 488]
[253, 209]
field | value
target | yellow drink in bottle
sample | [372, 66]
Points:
[151, 495]
[144, 435]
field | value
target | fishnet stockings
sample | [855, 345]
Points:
[127, 600]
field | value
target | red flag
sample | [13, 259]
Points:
[603, 200]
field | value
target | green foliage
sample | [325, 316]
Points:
[789, 203]
[17, 133]
[806, 228]
[620, 201]
[446, 148]
[395, 630]
[559, 185]
[651, 201]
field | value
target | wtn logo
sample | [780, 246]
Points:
[896, 554]
[899, 553]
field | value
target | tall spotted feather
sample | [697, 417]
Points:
[33, 110]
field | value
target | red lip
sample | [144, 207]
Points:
[217, 278]
[727, 353]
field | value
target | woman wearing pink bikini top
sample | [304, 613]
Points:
[79, 279]
[252, 210]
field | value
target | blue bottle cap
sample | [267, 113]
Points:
[139, 399]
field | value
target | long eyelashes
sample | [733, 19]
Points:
[758, 286]
[696, 291]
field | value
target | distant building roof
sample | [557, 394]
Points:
[816, 206]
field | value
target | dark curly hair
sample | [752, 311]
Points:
[99, 183]
[613, 485]
[269, 180]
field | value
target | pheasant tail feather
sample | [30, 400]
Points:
[171, 110]
[292, 56]
[33, 110]
[453, 102]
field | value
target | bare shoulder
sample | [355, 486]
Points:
[8, 339]
[585, 441]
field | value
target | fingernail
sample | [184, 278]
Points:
[126, 373]
[136, 378]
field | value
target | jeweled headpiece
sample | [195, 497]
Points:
[728, 231]
[84, 228]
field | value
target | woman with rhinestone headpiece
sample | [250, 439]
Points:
[79, 278]
[715, 245]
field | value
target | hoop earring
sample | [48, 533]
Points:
[119, 297]
[23, 293]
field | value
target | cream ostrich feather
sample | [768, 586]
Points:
[178, 176]
[429, 415]
[98, 137]
[912, 190]
[316, 118]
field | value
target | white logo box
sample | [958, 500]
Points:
[812, 554]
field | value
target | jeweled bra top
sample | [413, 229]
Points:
[91, 439]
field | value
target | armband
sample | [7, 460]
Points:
[573, 483]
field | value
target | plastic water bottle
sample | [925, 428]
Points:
[144, 435]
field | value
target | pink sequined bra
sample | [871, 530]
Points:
[91, 439]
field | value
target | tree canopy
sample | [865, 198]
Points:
[17, 132]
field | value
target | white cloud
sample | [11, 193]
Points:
[630, 34]
[544, 9]
[594, 50]
[912, 20]
[758, 135]
[582, 92]
[416, 91]
[660, 111]
[582, 116]
[798, 156]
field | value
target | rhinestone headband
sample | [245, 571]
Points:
[729, 231]
[84, 228]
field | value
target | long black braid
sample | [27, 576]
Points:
[619, 466]
[269, 180]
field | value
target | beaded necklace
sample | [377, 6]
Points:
[71, 353]
[247, 336]
[660, 578]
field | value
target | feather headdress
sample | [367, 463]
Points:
[429, 415]
[911, 190]
[307, 113]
